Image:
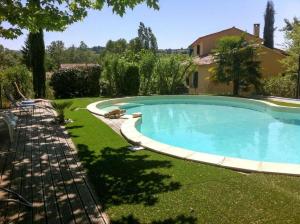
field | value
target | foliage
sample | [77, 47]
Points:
[289, 25]
[135, 45]
[55, 52]
[147, 38]
[8, 58]
[37, 59]
[16, 74]
[147, 64]
[26, 57]
[170, 72]
[235, 62]
[60, 109]
[76, 82]
[79, 55]
[117, 47]
[122, 76]
[269, 25]
[145, 183]
[291, 61]
[131, 82]
[54, 15]
[283, 86]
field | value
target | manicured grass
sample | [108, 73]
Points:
[146, 187]
[284, 103]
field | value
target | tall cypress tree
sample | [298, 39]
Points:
[37, 56]
[269, 25]
[26, 60]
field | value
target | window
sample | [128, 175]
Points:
[195, 80]
[198, 49]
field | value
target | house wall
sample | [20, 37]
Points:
[270, 62]
[205, 85]
[270, 66]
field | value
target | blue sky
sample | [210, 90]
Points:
[177, 24]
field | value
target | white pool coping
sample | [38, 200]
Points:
[129, 131]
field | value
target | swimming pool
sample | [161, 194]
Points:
[223, 127]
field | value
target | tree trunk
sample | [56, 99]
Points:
[1, 95]
[37, 53]
[298, 79]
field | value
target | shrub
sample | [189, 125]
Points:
[147, 64]
[120, 77]
[131, 80]
[17, 74]
[60, 109]
[283, 86]
[170, 72]
[76, 82]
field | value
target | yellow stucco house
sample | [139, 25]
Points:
[202, 52]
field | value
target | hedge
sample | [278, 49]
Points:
[76, 82]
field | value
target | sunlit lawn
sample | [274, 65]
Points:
[146, 187]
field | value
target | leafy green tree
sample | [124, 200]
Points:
[26, 57]
[51, 15]
[17, 74]
[292, 61]
[81, 54]
[152, 39]
[55, 52]
[147, 38]
[236, 62]
[55, 15]
[83, 46]
[289, 25]
[135, 45]
[147, 64]
[8, 58]
[171, 72]
[281, 85]
[269, 25]
[117, 47]
[131, 80]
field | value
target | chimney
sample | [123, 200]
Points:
[256, 29]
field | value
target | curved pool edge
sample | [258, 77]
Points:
[93, 106]
[129, 131]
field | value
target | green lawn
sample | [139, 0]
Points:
[146, 187]
[284, 103]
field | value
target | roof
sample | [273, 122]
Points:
[280, 51]
[207, 60]
[67, 66]
[223, 31]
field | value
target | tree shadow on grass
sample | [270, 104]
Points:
[124, 177]
[180, 219]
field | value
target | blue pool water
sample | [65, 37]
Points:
[225, 130]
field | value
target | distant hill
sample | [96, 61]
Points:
[174, 51]
[97, 49]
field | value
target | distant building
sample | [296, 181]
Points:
[68, 66]
[202, 49]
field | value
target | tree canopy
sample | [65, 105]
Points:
[269, 25]
[236, 63]
[147, 38]
[54, 15]
[289, 25]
